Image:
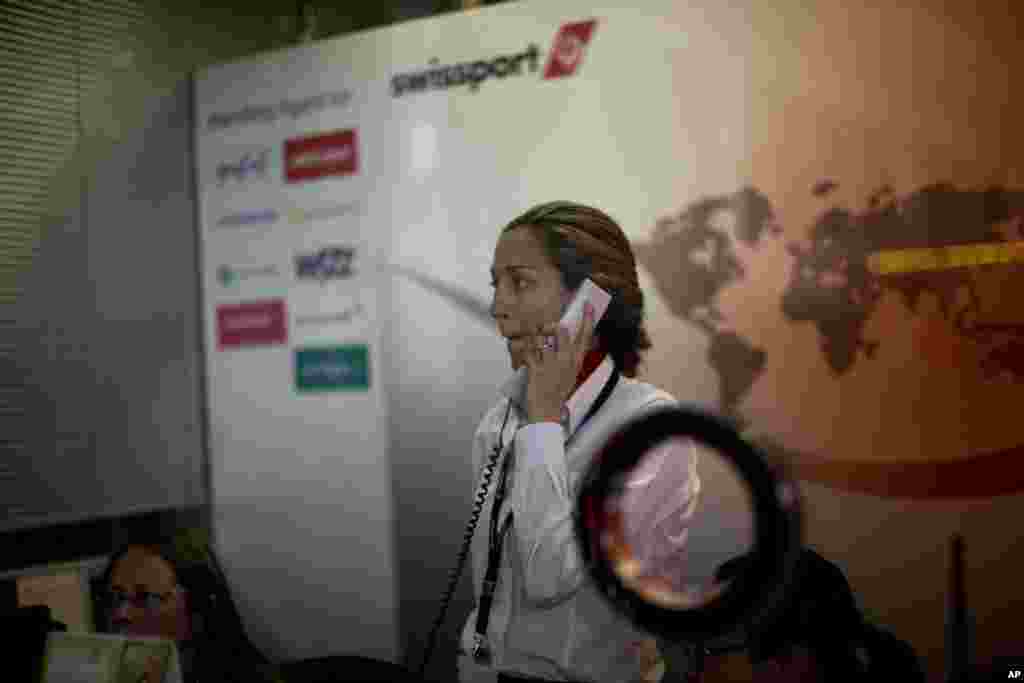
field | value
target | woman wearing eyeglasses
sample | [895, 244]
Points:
[150, 589]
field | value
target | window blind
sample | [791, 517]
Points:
[51, 52]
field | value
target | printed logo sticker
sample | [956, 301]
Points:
[230, 276]
[568, 49]
[243, 218]
[329, 263]
[258, 323]
[298, 215]
[320, 156]
[252, 164]
[337, 368]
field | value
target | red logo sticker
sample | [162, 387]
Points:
[259, 323]
[329, 154]
[569, 48]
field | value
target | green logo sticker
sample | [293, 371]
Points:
[338, 368]
[226, 276]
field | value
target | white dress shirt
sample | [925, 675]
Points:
[547, 620]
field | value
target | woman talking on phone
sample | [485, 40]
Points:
[537, 617]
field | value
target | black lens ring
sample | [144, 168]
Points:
[758, 591]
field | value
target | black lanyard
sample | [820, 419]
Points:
[497, 539]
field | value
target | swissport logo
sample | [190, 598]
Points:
[319, 156]
[566, 55]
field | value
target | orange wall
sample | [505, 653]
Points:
[870, 94]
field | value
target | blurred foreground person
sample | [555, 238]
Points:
[818, 636]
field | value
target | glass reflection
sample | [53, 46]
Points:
[673, 520]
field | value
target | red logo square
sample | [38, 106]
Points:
[319, 156]
[258, 323]
[568, 49]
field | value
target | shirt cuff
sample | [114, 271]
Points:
[534, 442]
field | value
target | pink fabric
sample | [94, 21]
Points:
[658, 507]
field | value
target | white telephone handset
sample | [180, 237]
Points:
[571, 320]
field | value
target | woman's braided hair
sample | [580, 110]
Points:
[585, 242]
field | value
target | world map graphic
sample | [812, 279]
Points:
[903, 244]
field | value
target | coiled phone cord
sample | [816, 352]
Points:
[478, 507]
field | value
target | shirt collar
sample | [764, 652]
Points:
[578, 404]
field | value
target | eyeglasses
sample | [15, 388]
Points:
[148, 601]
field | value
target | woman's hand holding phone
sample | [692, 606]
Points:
[553, 372]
